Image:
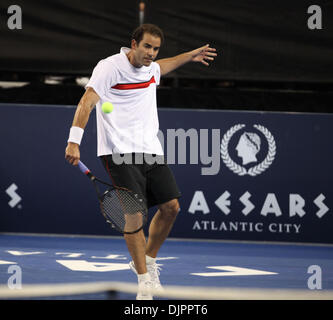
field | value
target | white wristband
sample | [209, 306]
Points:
[75, 135]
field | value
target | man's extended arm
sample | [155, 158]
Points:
[81, 117]
[198, 55]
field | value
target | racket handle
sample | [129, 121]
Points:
[83, 168]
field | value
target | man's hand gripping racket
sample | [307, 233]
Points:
[120, 206]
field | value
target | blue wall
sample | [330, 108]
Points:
[288, 197]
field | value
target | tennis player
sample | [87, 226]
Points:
[128, 80]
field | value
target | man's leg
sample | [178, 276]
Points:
[161, 226]
[136, 244]
[144, 255]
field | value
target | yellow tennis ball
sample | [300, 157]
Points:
[107, 107]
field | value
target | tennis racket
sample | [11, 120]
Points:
[120, 206]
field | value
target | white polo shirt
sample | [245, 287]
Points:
[133, 124]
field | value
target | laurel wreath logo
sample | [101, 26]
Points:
[238, 169]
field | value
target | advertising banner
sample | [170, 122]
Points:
[242, 175]
[252, 175]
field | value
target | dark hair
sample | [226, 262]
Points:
[147, 28]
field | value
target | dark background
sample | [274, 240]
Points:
[268, 57]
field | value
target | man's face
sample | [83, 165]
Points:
[147, 50]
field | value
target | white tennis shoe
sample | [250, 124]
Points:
[144, 288]
[154, 272]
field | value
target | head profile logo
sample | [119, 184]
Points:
[249, 145]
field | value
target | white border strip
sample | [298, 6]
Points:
[173, 292]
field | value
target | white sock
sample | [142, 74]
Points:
[143, 277]
[150, 260]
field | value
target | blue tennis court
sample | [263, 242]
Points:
[74, 259]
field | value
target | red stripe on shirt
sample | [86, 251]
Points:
[130, 86]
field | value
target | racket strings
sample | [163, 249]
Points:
[124, 210]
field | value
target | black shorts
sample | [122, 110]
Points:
[154, 183]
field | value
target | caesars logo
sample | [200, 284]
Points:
[248, 204]
[250, 151]
[248, 146]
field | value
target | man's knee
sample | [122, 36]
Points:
[170, 208]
